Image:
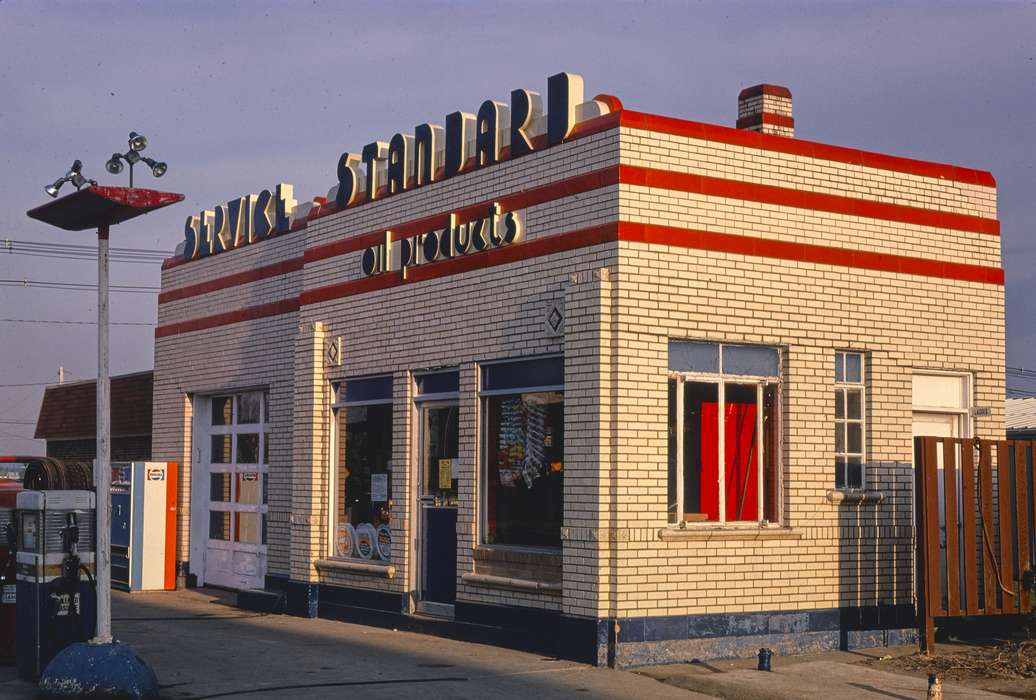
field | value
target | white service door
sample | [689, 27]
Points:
[234, 450]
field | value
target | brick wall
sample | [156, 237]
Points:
[624, 298]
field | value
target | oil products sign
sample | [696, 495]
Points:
[494, 230]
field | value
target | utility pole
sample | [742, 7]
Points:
[103, 478]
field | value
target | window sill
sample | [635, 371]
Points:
[517, 555]
[512, 584]
[362, 568]
[854, 496]
[675, 534]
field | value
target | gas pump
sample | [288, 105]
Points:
[56, 600]
[8, 499]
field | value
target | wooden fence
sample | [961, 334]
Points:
[976, 540]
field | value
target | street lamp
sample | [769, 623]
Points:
[100, 207]
[74, 175]
[137, 143]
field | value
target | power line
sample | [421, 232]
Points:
[74, 323]
[7, 386]
[17, 422]
[10, 244]
[77, 286]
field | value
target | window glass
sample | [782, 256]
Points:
[248, 448]
[441, 441]
[853, 367]
[701, 451]
[750, 360]
[219, 525]
[691, 356]
[727, 447]
[248, 527]
[438, 383]
[248, 488]
[368, 389]
[222, 410]
[221, 445]
[364, 480]
[524, 469]
[219, 486]
[849, 420]
[249, 406]
[534, 373]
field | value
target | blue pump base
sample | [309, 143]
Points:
[86, 670]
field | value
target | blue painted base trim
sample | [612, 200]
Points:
[621, 643]
[683, 638]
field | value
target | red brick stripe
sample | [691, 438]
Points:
[249, 313]
[816, 201]
[805, 252]
[809, 149]
[570, 240]
[253, 275]
[761, 118]
[580, 184]
[594, 235]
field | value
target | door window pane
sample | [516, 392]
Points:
[441, 436]
[525, 469]
[219, 486]
[219, 525]
[248, 528]
[248, 488]
[222, 410]
[363, 496]
[220, 453]
[249, 406]
[248, 448]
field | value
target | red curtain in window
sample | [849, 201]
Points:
[742, 462]
[741, 459]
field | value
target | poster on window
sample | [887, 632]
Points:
[524, 437]
[379, 488]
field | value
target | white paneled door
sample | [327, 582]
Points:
[229, 491]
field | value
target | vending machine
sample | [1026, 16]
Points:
[56, 598]
[143, 522]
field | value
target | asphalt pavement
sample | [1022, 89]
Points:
[202, 647]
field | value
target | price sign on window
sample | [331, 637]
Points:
[445, 474]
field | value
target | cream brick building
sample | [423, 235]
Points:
[669, 418]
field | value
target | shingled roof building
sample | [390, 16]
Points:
[643, 386]
[68, 418]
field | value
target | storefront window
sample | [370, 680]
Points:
[524, 452]
[363, 479]
[849, 420]
[723, 438]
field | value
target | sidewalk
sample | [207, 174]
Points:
[201, 647]
[841, 675]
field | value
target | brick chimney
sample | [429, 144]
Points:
[766, 108]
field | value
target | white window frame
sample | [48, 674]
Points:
[843, 387]
[721, 380]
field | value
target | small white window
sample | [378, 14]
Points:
[850, 420]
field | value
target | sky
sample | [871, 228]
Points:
[238, 96]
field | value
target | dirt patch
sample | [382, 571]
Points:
[1007, 667]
